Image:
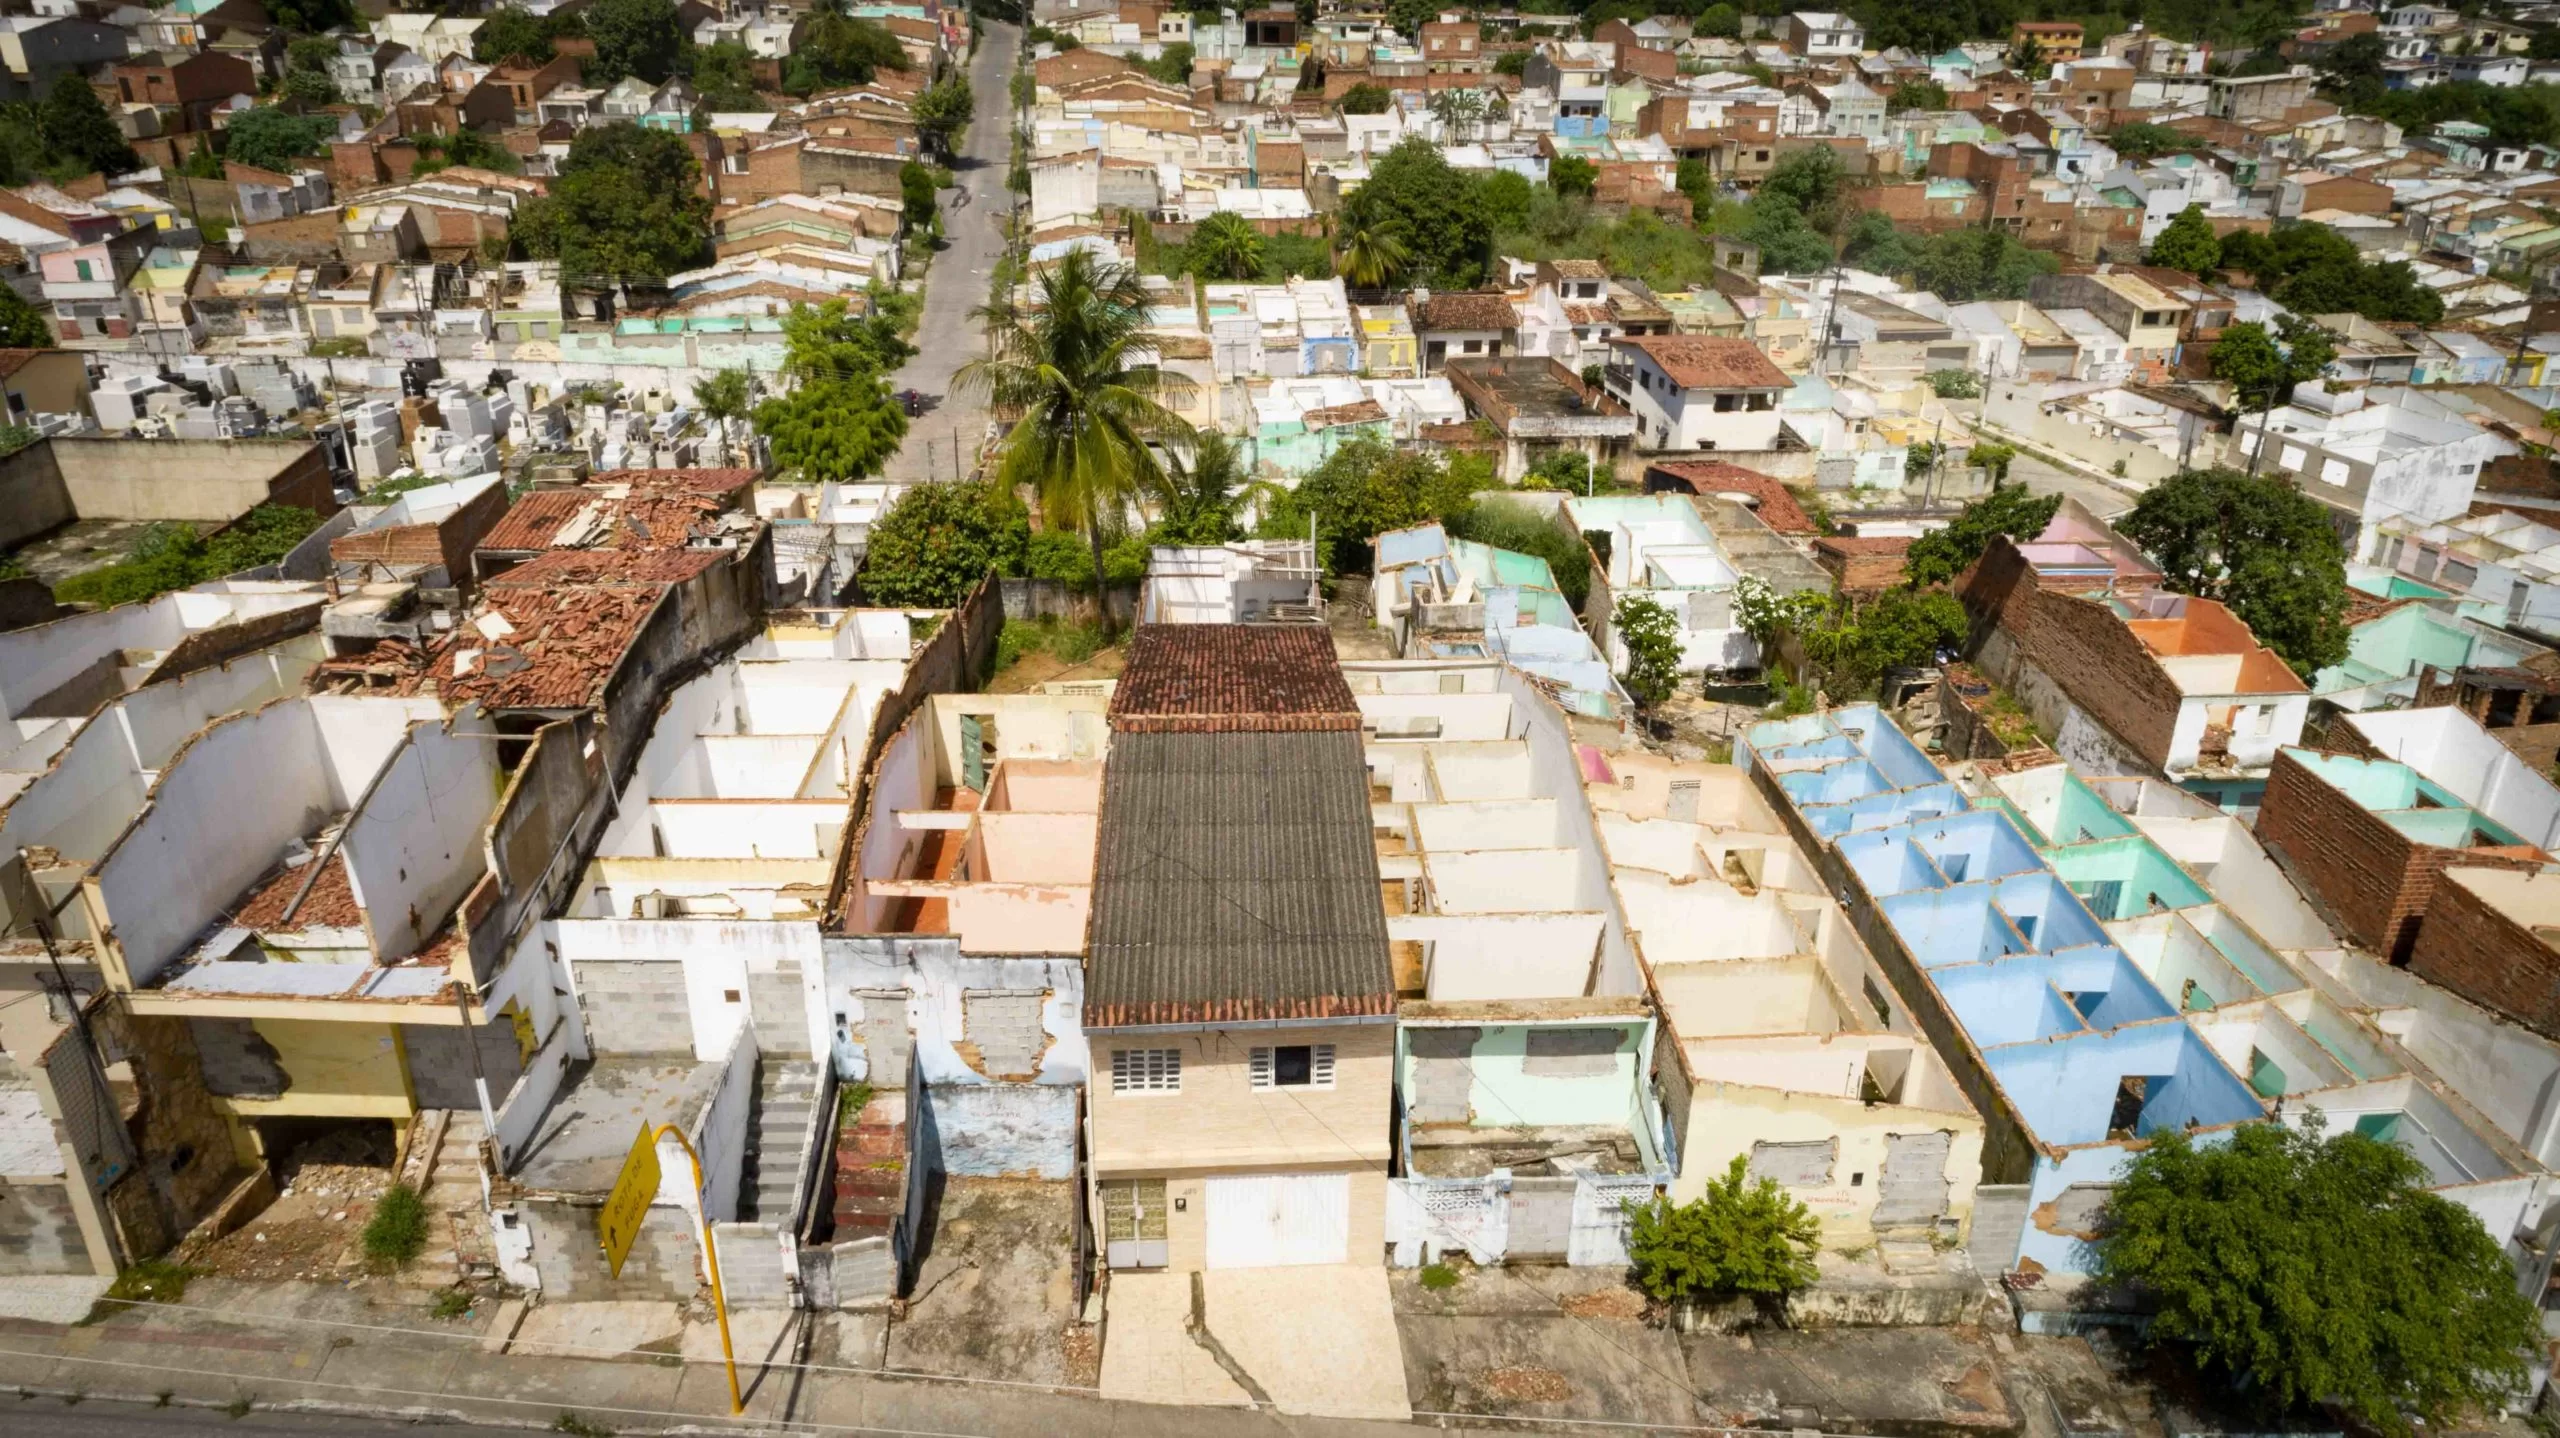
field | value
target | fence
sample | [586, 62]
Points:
[1053, 599]
[1581, 1219]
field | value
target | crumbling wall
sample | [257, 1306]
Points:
[2488, 958]
[1005, 1130]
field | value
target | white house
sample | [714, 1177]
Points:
[2375, 455]
[1698, 391]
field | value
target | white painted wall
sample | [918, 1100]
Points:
[1503, 956]
[2449, 747]
[717, 956]
[414, 845]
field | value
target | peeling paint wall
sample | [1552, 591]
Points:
[936, 984]
[1005, 1130]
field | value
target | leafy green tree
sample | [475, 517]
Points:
[942, 113]
[1955, 384]
[1461, 111]
[1940, 555]
[76, 126]
[1079, 370]
[1742, 1237]
[1507, 198]
[2301, 1269]
[939, 542]
[1808, 182]
[834, 429]
[1434, 208]
[1373, 252]
[1366, 99]
[313, 88]
[2141, 140]
[633, 37]
[2187, 243]
[512, 33]
[2262, 367]
[626, 209]
[830, 341]
[274, 139]
[1511, 62]
[311, 52]
[1226, 246]
[724, 397]
[1876, 243]
[2258, 545]
[1994, 456]
[834, 50]
[1572, 176]
[1849, 645]
[311, 17]
[724, 79]
[1917, 95]
[1963, 265]
[22, 326]
[2312, 269]
[1720, 22]
[1366, 488]
[1651, 637]
[1173, 67]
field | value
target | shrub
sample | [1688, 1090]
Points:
[1506, 527]
[1955, 384]
[1743, 1236]
[397, 1232]
[1439, 1277]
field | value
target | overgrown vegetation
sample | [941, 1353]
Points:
[153, 1280]
[397, 1231]
[1742, 1237]
[1367, 488]
[1940, 555]
[1062, 640]
[1439, 1277]
[625, 210]
[1507, 526]
[2258, 545]
[1651, 637]
[173, 556]
[2299, 1269]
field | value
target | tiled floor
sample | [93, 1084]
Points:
[1146, 1354]
[1320, 1339]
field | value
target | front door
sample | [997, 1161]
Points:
[1133, 1227]
[1278, 1219]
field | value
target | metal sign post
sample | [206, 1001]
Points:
[627, 1207]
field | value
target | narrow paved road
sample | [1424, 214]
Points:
[972, 217]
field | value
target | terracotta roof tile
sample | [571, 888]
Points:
[1777, 505]
[1466, 310]
[595, 567]
[1232, 677]
[1580, 269]
[1710, 362]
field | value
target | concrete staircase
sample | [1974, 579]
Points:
[777, 1141]
[447, 1175]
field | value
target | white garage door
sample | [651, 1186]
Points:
[1270, 1220]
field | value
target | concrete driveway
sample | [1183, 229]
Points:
[1318, 1340]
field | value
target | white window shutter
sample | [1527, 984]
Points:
[1322, 1067]
[1260, 1069]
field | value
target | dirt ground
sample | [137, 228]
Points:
[1039, 667]
[994, 1296]
[325, 1192]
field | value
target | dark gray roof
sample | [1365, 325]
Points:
[1236, 879]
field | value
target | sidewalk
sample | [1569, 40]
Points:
[313, 1348]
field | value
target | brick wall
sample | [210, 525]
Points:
[2081, 646]
[2376, 880]
[2488, 958]
[448, 542]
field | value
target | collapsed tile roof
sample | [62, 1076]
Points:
[530, 646]
[1202, 678]
[1774, 502]
[621, 509]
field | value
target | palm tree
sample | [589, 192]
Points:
[1373, 252]
[724, 396]
[1207, 497]
[1226, 246]
[1077, 368]
[1460, 110]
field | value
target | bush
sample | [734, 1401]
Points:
[1505, 527]
[397, 1232]
[1439, 1277]
[1743, 1236]
[1068, 643]
[174, 556]
[1955, 384]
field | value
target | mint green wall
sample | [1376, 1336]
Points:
[2137, 866]
[1505, 1095]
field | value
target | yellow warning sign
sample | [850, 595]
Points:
[628, 1204]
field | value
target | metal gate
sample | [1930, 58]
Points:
[1279, 1219]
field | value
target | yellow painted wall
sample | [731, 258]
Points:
[338, 1070]
[1726, 1119]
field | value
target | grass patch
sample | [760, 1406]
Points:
[851, 1100]
[582, 1427]
[154, 1280]
[397, 1232]
[451, 1304]
[1439, 1277]
[1067, 642]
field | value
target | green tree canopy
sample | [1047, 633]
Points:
[1940, 555]
[1434, 208]
[1572, 175]
[22, 326]
[942, 113]
[1876, 243]
[724, 397]
[1964, 265]
[1511, 62]
[2141, 140]
[830, 341]
[834, 50]
[2314, 270]
[1225, 246]
[2187, 243]
[1173, 67]
[76, 126]
[2264, 367]
[1366, 488]
[312, 88]
[512, 33]
[1207, 495]
[311, 17]
[940, 541]
[274, 139]
[1651, 637]
[1366, 99]
[916, 193]
[633, 37]
[1917, 95]
[2258, 545]
[724, 78]
[1741, 1237]
[2301, 1269]
[834, 429]
[625, 209]
[1720, 22]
